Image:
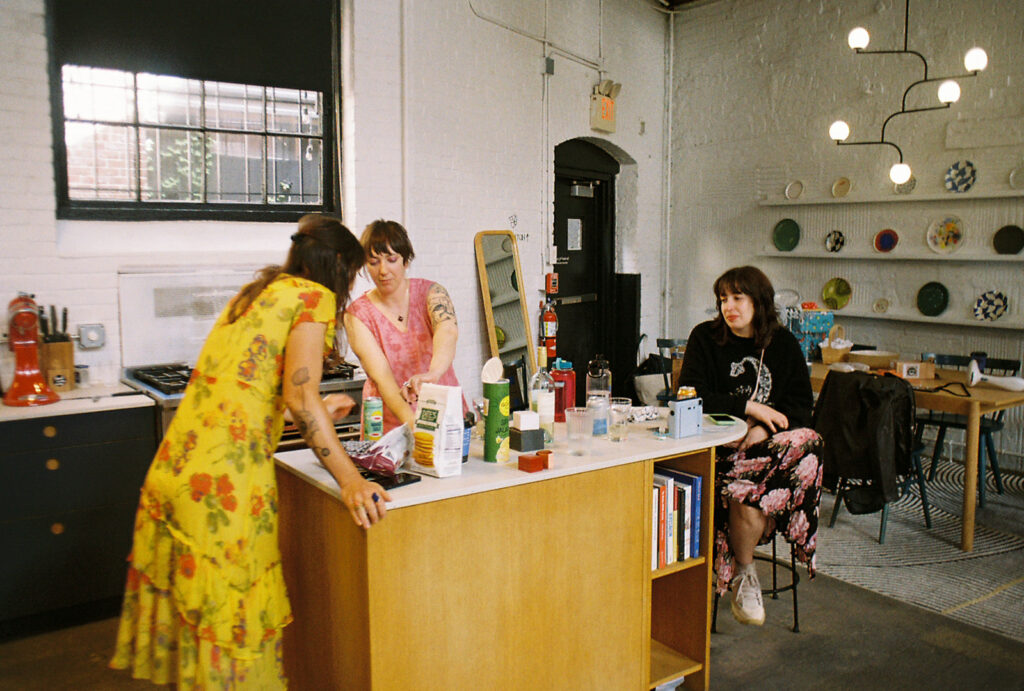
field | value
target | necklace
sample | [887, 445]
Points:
[399, 316]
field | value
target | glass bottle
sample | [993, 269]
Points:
[542, 396]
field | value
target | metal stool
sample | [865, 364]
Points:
[776, 588]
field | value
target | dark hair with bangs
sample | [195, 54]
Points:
[323, 250]
[381, 235]
[751, 281]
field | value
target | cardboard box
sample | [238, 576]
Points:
[913, 369]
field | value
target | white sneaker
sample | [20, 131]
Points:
[747, 606]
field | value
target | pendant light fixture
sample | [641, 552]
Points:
[948, 93]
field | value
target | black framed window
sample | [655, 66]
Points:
[222, 110]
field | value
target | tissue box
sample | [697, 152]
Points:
[525, 439]
[816, 321]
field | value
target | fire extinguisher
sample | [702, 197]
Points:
[548, 329]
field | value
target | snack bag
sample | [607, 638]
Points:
[386, 455]
[437, 431]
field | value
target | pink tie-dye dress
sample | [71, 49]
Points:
[408, 352]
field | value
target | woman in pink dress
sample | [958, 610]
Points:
[403, 331]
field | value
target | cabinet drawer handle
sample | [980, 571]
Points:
[57, 528]
[52, 464]
[50, 431]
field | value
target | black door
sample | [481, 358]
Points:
[585, 243]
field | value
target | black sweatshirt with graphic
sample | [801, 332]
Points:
[726, 375]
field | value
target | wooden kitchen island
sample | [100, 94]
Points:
[499, 579]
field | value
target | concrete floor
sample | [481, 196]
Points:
[850, 638]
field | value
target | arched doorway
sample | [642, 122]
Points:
[598, 310]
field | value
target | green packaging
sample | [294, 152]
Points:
[496, 407]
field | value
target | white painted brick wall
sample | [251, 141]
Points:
[756, 87]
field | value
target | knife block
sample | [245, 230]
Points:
[57, 361]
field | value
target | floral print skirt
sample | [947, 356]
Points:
[781, 476]
[156, 640]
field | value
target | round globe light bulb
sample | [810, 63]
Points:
[839, 131]
[975, 60]
[858, 38]
[899, 173]
[949, 92]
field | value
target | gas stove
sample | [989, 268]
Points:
[169, 381]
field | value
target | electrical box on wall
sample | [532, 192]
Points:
[602, 113]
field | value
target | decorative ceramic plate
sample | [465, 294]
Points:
[794, 189]
[1017, 177]
[886, 240]
[786, 235]
[1008, 240]
[841, 187]
[836, 293]
[990, 305]
[835, 240]
[946, 235]
[932, 299]
[881, 306]
[906, 187]
[961, 176]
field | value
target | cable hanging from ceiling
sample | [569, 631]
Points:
[948, 93]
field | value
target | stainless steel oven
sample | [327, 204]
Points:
[166, 384]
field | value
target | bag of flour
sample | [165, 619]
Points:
[437, 431]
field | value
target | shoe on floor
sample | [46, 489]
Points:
[747, 606]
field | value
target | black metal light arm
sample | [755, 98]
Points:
[898, 149]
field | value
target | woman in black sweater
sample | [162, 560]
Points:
[746, 364]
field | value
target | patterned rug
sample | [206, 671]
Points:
[984, 587]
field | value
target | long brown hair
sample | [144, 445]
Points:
[323, 250]
[750, 281]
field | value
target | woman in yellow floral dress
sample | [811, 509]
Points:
[205, 600]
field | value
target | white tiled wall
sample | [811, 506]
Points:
[756, 87]
[450, 127]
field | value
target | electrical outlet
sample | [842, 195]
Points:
[91, 336]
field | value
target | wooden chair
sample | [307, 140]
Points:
[990, 424]
[665, 348]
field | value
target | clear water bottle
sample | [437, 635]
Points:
[599, 391]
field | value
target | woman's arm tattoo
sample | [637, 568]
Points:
[305, 421]
[439, 304]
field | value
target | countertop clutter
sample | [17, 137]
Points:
[90, 399]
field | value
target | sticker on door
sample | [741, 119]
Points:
[574, 234]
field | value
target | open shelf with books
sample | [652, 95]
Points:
[680, 588]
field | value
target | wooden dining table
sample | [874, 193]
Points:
[983, 399]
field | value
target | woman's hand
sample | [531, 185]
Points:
[772, 419]
[755, 435]
[339, 405]
[411, 388]
[365, 501]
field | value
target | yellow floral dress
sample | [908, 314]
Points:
[205, 598]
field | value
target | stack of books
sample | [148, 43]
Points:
[675, 521]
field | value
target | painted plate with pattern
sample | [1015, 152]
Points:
[946, 234]
[990, 305]
[841, 187]
[886, 240]
[835, 240]
[786, 235]
[906, 187]
[961, 176]
[836, 293]
[932, 299]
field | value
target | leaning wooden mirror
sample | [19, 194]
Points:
[508, 324]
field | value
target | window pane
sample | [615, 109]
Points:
[289, 110]
[101, 161]
[169, 100]
[236, 171]
[91, 93]
[284, 172]
[312, 171]
[172, 165]
[234, 106]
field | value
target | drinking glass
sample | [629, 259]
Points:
[478, 410]
[580, 424]
[618, 418]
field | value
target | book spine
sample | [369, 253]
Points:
[654, 529]
[687, 549]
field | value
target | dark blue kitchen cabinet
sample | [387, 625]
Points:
[69, 487]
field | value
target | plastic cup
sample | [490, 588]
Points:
[580, 424]
[618, 418]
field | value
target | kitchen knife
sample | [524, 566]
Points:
[54, 324]
[44, 325]
[64, 325]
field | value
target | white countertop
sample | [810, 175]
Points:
[479, 476]
[91, 399]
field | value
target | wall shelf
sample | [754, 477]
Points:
[899, 198]
[956, 257]
[920, 318]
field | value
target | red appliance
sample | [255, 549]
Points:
[28, 387]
